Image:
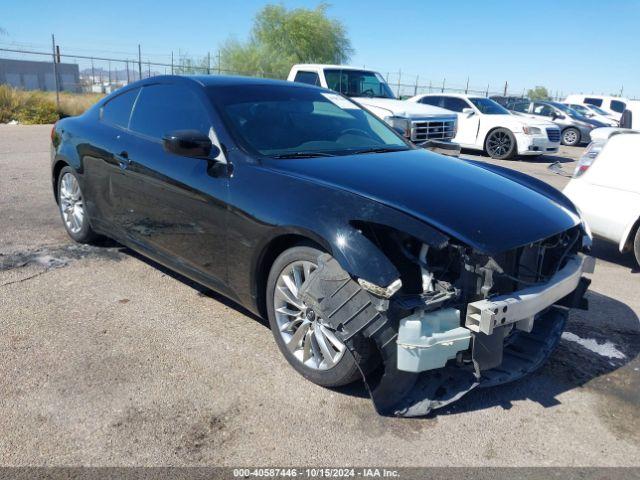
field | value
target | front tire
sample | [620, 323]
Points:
[571, 137]
[501, 144]
[309, 346]
[72, 207]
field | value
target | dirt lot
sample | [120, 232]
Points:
[108, 359]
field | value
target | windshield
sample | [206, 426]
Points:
[597, 110]
[358, 83]
[488, 106]
[568, 110]
[294, 122]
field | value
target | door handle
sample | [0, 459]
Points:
[123, 160]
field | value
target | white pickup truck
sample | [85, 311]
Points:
[419, 123]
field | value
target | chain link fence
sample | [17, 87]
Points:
[98, 71]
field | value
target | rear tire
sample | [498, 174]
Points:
[72, 207]
[571, 137]
[345, 370]
[501, 144]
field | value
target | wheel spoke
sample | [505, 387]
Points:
[327, 354]
[332, 338]
[290, 285]
[290, 298]
[297, 337]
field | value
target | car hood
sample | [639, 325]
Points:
[487, 208]
[402, 108]
[519, 120]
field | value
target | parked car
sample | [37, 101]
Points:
[594, 113]
[363, 251]
[418, 123]
[612, 105]
[606, 187]
[576, 129]
[631, 116]
[485, 125]
[504, 101]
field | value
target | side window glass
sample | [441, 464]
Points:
[164, 108]
[593, 101]
[310, 78]
[540, 109]
[435, 101]
[618, 106]
[455, 104]
[118, 110]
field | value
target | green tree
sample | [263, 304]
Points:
[280, 37]
[538, 93]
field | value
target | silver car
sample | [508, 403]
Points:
[576, 128]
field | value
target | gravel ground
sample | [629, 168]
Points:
[109, 359]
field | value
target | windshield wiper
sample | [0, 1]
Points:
[303, 155]
[380, 150]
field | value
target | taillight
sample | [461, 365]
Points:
[588, 157]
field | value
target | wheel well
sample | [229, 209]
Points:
[628, 244]
[269, 255]
[484, 142]
[60, 164]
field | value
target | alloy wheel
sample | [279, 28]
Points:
[71, 203]
[305, 335]
[570, 137]
[499, 144]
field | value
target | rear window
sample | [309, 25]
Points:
[618, 106]
[593, 101]
[435, 101]
[455, 104]
[118, 110]
[310, 78]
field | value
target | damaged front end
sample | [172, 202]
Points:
[456, 319]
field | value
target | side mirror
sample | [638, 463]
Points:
[468, 112]
[189, 143]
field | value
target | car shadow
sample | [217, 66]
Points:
[608, 251]
[200, 289]
[544, 158]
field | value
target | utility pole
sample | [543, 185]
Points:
[415, 90]
[208, 63]
[93, 74]
[487, 94]
[506, 85]
[399, 78]
[466, 89]
[128, 77]
[139, 62]
[219, 67]
[171, 62]
[109, 66]
[443, 80]
[149, 68]
[55, 71]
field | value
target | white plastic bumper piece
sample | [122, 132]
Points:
[521, 307]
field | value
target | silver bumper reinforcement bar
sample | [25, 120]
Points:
[521, 307]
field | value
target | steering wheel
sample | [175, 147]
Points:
[368, 92]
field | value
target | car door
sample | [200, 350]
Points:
[468, 123]
[175, 205]
[101, 162]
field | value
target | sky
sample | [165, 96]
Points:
[568, 46]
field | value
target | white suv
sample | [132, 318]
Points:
[485, 125]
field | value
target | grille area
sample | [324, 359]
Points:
[436, 129]
[553, 134]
